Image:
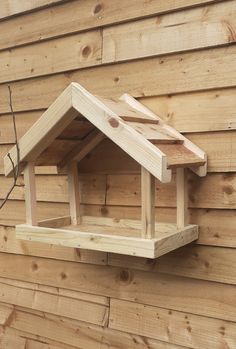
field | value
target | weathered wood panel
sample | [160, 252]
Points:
[174, 327]
[212, 110]
[200, 262]
[181, 31]
[214, 191]
[73, 52]
[57, 303]
[82, 15]
[192, 289]
[220, 148]
[13, 7]
[192, 71]
[74, 333]
[174, 292]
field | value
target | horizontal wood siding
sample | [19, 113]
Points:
[178, 58]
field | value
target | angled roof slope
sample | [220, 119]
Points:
[86, 119]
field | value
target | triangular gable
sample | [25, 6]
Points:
[135, 129]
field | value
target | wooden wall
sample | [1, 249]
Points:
[178, 58]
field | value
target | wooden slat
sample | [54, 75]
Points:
[33, 297]
[182, 198]
[197, 28]
[189, 72]
[83, 148]
[207, 298]
[75, 52]
[175, 327]
[179, 156]
[73, 17]
[34, 142]
[214, 191]
[199, 262]
[30, 194]
[219, 146]
[196, 111]
[11, 245]
[216, 226]
[74, 333]
[191, 112]
[74, 193]
[13, 7]
[147, 204]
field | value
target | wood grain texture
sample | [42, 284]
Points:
[53, 301]
[81, 15]
[190, 330]
[49, 293]
[142, 279]
[75, 52]
[197, 28]
[217, 190]
[189, 112]
[197, 111]
[74, 333]
[219, 147]
[9, 244]
[13, 7]
[199, 262]
[190, 71]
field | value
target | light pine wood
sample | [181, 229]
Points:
[182, 198]
[111, 240]
[13, 7]
[61, 113]
[74, 193]
[73, 17]
[200, 170]
[191, 71]
[83, 148]
[39, 298]
[196, 112]
[158, 36]
[186, 298]
[148, 204]
[216, 191]
[76, 51]
[55, 222]
[221, 304]
[74, 333]
[127, 317]
[30, 194]
[199, 262]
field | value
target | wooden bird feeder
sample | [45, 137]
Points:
[156, 147]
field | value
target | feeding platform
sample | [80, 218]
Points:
[158, 149]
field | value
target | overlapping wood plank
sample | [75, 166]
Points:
[201, 27]
[190, 71]
[83, 15]
[59, 55]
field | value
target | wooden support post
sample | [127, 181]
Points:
[182, 198]
[30, 194]
[148, 204]
[74, 193]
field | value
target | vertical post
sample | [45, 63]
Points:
[182, 198]
[30, 194]
[148, 204]
[74, 193]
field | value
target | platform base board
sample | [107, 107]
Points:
[98, 241]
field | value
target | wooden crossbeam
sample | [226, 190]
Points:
[83, 148]
[148, 204]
